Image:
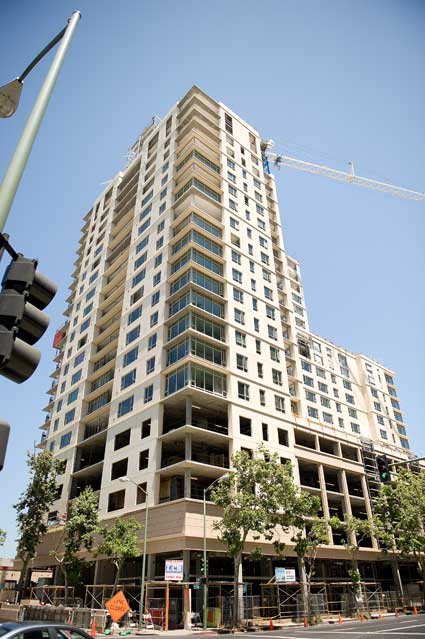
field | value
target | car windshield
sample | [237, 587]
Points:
[4, 630]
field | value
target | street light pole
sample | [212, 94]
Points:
[22, 152]
[145, 538]
[205, 587]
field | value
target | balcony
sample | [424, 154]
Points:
[212, 458]
[42, 443]
[192, 418]
[89, 455]
[94, 428]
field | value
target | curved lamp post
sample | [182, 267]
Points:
[9, 100]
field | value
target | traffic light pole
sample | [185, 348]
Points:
[22, 152]
[406, 463]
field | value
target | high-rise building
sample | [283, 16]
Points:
[187, 339]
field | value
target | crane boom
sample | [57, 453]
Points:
[341, 176]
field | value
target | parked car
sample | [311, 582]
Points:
[40, 630]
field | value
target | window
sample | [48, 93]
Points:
[237, 295]
[349, 398]
[241, 362]
[65, 440]
[272, 331]
[262, 397]
[260, 370]
[126, 406]
[154, 319]
[277, 377]
[138, 278]
[122, 439]
[306, 366]
[119, 469]
[327, 417]
[256, 325]
[146, 429]
[239, 316]
[254, 304]
[340, 422]
[132, 335]
[320, 373]
[131, 356]
[384, 434]
[283, 437]
[253, 285]
[265, 429]
[144, 459]
[258, 346]
[322, 387]
[128, 379]
[236, 257]
[270, 312]
[237, 276]
[311, 397]
[274, 354]
[116, 500]
[268, 293]
[148, 395]
[240, 339]
[379, 418]
[308, 381]
[234, 224]
[156, 279]
[134, 315]
[279, 403]
[346, 384]
[377, 406]
[155, 299]
[69, 416]
[243, 391]
[152, 341]
[355, 428]
[352, 413]
[312, 412]
[245, 426]
[84, 326]
[72, 396]
[325, 402]
[76, 377]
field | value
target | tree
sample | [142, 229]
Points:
[356, 530]
[33, 507]
[399, 516]
[254, 498]
[119, 543]
[2, 537]
[311, 531]
[78, 535]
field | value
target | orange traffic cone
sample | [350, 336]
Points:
[93, 629]
[415, 612]
[271, 626]
[361, 616]
[396, 612]
[380, 615]
[305, 622]
[339, 619]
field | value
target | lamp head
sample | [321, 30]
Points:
[9, 98]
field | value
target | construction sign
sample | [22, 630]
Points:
[117, 606]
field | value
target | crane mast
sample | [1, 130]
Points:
[341, 176]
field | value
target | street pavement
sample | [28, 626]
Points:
[403, 627]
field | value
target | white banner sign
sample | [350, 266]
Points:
[174, 570]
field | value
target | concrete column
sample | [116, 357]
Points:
[187, 483]
[338, 450]
[368, 506]
[186, 565]
[324, 497]
[188, 410]
[150, 572]
[344, 486]
[96, 571]
[188, 446]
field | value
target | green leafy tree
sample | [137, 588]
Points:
[356, 531]
[310, 532]
[78, 535]
[399, 516]
[119, 543]
[253, 497]
[33, 507]
[2, 537]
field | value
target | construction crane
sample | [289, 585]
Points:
[342, 176]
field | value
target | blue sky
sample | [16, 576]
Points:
[328, 81]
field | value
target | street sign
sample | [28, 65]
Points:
[173, 570]
[117, 606]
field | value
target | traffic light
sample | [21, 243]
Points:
[383, 469]
[4, 436]
[24, 294]
[204, 567]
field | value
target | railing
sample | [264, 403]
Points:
[103, 361]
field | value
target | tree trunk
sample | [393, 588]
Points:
[236, 613]
[304, 586]
[22, 578]
[65, 576]
[117, 576]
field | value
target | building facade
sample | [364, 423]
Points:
[187, 339]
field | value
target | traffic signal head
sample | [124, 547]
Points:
[24, 294]
[383, 469]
